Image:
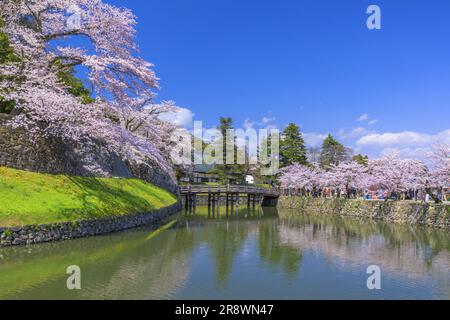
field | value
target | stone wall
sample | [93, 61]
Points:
[17, 151]
[405, 212]
[33, 234]
[55, 157]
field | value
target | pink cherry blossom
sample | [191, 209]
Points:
[123, 117]
[390, 174]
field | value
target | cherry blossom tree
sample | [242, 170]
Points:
[440, 171]
[394, 176]
[295, 176]
[307, 179]
[123, 116]
[347, 177]
[416, 176]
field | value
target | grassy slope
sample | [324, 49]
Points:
[34, 198]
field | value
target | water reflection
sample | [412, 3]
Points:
[396, 248]
[237, 254]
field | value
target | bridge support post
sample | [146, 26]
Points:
[227, 198]
[209, 200]
[233, 196]
[218, 198]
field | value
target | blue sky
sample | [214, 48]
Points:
[313, 62]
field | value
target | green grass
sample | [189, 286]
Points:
[35, 198]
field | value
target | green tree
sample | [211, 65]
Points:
[226, 123]
[65, 74]
[224, 170]
[6, 106]
[333, 152]
[362, 160]
[6, 52]
[6, 55]
[264, 154]
[236, 172]
[292, 146]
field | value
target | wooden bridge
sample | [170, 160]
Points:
[231, 195]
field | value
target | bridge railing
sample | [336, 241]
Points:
[229, 189]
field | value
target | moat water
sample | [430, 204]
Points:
[244, 254]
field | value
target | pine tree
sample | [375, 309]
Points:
[264, 155]
[6, 55]
[360, 159]
[65, 74]
[333, 153]
[225, 125]
[230, 170]
[292, 146]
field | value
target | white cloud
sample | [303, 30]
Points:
[266, 120]
[182, 118]
[358, 131]
[248, 124]
[403, 139]
[265, 123]
[364, 117]
[314, 139]
[409, 144]
[354, 133]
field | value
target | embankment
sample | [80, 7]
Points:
[33, 234]
[38, 207]
[404, 212]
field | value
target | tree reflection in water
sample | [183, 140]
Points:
[143, 264]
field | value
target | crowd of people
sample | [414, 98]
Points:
[388, 177]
